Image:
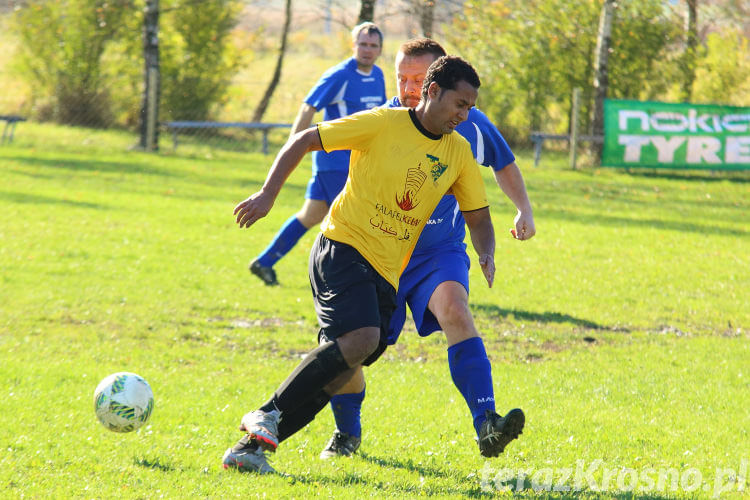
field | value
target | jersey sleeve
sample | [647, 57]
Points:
[491, 148]
[329, 85]
[354, 132]
[468, 188]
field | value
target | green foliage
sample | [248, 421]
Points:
[84, 59]
[723, 74]
[198, 59]
[533, 53]
[61, 52]
[642, 61]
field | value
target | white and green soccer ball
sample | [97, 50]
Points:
[123, 402]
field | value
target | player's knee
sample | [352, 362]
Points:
[369, 340]
[455, 313]
[310, 219]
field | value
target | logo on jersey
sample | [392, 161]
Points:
[436, 168]
[414, 180]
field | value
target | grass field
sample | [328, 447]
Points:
[622, 330]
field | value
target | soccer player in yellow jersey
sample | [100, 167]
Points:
[403, 161]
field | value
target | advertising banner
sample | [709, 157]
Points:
[665, 135]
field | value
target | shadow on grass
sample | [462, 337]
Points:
[80, 164]
[741, 177]
[472, 490]
[406, 465]
[153, 464]
[493, 311]
[291, 188]
[610, 220]
[14, 197]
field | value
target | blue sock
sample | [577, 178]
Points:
[346, 409]
[472, 374]
[285, 239]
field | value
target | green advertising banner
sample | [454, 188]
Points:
[664, 135]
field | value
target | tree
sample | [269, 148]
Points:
[689, 57]
[532, 55]
[149, 115]
[601, 77]
[263, 104]
[61, 50]
[427, 17]
[366, 11]
[197, 57]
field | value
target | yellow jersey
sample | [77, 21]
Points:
[398, 172]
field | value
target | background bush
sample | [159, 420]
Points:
[83, 59]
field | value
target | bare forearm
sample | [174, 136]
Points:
[288, 158]
[511, 182]
[482, 232]
[258, 205]
[483, 238]
[303, 119]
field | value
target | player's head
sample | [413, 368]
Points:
[449, 91]
[367, 40]
[413, 58]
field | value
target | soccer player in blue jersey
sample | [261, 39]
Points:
[353, 85]
[435, 284]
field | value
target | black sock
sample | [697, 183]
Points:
[296, 420]
[319, 368]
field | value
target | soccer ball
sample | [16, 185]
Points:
[123, 402]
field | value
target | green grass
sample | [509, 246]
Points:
[621, 329]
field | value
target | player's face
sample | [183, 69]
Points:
[410, 72]
[366, 50]
[447, 108]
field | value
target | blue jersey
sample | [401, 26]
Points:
[341, 91]
[446, 225]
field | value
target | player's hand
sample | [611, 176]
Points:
[487, 262]
[253, 208]
[525, 228]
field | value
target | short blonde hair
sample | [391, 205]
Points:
[368, 28]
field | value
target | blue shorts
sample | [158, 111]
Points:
[420, 279]
[326, 185]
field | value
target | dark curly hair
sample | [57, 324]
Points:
[420, 46]
[447, 72]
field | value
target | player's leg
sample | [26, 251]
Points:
[346, 404]
[467, 359]
[439, 300]
[470, 367]
[322, 188]
[350, 296]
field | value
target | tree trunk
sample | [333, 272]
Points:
[427, 17]
[263, 104]
[601, 77]
[149, 113]
[366, 11]
[688, 65]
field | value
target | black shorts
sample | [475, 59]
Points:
[349, 293]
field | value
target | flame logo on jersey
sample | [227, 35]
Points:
[414, 180]
[436, 168]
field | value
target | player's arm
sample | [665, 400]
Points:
[482, 234]
[511, 182]
[303, 119]
[260, 203]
